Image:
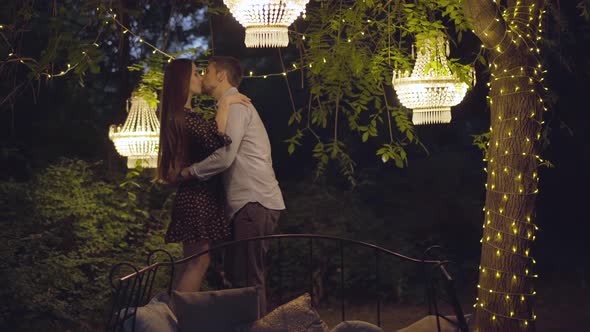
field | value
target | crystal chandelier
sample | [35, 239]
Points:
[138, 138]
[431, 89]
[266, 21]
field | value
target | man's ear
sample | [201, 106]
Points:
[221, 75]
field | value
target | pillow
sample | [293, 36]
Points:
[294, 316]
[428, 324]
[217, 311]
[356, 326]
[155, 316]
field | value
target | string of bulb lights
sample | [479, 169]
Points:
[155, 49]
[110, 16]
[48, 73]
[513, 35]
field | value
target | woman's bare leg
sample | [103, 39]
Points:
[191, 276]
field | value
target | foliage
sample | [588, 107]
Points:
[152, 78]
[349, 49]
[68, 44]
[384, 210]
[61, 234]
[584, 8]
[482, 142]
[326, 210]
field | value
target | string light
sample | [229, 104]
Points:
[500, 250]
[514, 232]
[514, 220]
[139, 38]
[498, 273]
[494, 316]
[507, 233]
[70, 67]
[283, 73]
[125, 30]
[521, 295]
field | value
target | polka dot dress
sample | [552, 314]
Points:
[198, 209]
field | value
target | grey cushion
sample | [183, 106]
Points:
[297, 315]
[356, 326]
[155, 316]
[428, 324]
[217, 311]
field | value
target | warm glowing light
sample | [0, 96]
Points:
[138, 138]
[432, 88]
[266, 21]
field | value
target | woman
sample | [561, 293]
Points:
[185, 138]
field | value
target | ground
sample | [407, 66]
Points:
[561, 306]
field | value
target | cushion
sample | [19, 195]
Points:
[428, 324]
[218, 311]
[296, 315]
[153, 317]
[356, 326]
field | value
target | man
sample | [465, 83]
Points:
[254, 199]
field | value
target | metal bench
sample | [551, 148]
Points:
[135, 289]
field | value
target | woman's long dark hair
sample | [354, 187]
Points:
[173, 140]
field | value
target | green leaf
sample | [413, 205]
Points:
[365, 136]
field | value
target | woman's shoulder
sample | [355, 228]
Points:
[196, 122]
[192, 114]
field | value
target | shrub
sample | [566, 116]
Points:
[61, 233]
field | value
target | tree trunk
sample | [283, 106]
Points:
[119, 114]
[123, 63]
[506, 273]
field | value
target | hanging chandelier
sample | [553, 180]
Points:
[138, 138]
[432, 88]
[266, 21]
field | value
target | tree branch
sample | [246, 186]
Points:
[167, 27]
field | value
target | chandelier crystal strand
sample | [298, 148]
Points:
[432, 88]
[266, 21]
[138, 138]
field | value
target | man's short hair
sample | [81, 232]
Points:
[231, 66]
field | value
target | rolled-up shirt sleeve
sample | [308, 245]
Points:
[237, 121]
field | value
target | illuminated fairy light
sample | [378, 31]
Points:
[514, 220]
[139, 38]
[497, 273]
[495, 315]
[31, 63]
[500, 250]
[12, 56]
[138, 138]
[515, 295]
[515, 232]
[507, 234]
[283, 73]
[171, 57]
[521, 192]
[431, 90]
[266, 21]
